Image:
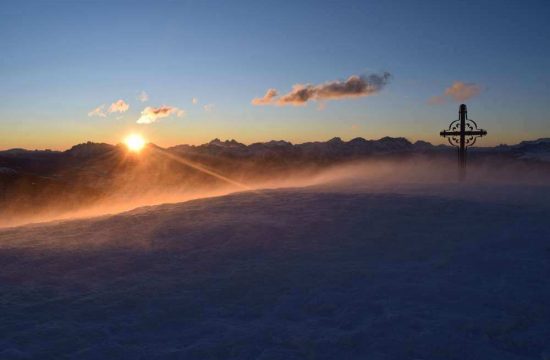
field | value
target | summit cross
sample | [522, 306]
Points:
[462, 133]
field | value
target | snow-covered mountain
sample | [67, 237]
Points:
[536, 149]
[337, 149]
[333, 148]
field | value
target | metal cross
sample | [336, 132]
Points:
[462, 133]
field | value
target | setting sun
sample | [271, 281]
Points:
[134, 142]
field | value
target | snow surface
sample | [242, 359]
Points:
[405, 272]
[7, 171]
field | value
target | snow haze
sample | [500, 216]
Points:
[385, 260]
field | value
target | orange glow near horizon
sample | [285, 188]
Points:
[134, 142]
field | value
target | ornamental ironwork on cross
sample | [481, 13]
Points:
[462, 133]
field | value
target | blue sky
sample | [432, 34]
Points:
[61, 60]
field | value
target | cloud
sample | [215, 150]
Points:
[208, 107]
[436, 100]
[459, 91]
[354, 86]
[119, 106]
[267, 99]
[195, 101]
[98, 111]
[143, 96]
[150, 114]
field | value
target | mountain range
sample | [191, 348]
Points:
[35, 180]
[333, 148]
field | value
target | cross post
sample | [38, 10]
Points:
[462, 133]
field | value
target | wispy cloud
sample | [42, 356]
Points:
[119, 106]
[150, 114]
[437, 100]
[98, 111]
[208, 107]
[459, 91]
[143, 96]
[353, 87]
[267, 99]
[195, 101]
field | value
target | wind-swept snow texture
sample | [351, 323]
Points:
[315, 273]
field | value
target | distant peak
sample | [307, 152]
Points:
[538, 141]
[395, 140]
[89, 148]
[226, 143]
[358, 140]
[278, 143]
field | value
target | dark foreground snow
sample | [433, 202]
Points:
[287, 274]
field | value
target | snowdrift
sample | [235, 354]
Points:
[326, 272]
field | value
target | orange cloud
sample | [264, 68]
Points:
[98, 111]
[436, 100]
[119, 106]
[266, 99]
[459, 91]
[354, 86]
[150, 114]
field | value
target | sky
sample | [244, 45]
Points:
[190, 71]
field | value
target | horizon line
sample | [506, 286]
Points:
[264, 142]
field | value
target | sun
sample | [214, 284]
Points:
[134, 142]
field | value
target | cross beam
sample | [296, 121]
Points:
[446, 133]
[462, 138]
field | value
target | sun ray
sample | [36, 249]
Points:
[203, 169]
